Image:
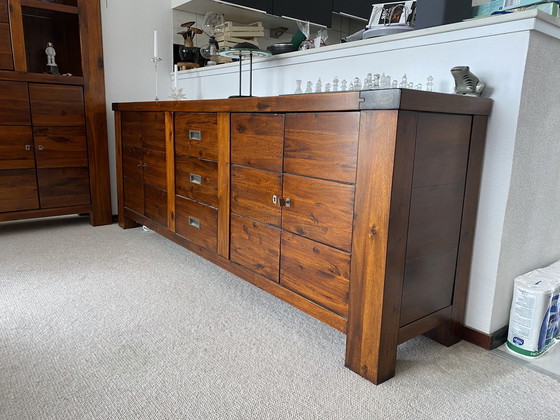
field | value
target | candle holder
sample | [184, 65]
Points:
[242, 51]
[156, 61]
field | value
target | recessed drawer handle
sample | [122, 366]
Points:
[194, 222]
[195, 179]
[195, 135]
[28, 147]
[287, 202]
[41, 147]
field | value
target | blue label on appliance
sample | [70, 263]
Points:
[518, 341]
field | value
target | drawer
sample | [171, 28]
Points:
[60, 147]
[197, 179]
[16, 148]
[196, 222]
[143, 129]
[255, 246]
[6, 61]
[14, 103]
[196, 135]
[252, 192]
[316, 271]
[60, 187]
[18, 190]
[56, 105]
[322, 145]
[320, 210]
[257, 140]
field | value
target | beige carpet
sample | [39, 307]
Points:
[102, 323]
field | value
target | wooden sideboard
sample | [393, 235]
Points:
[356, 207]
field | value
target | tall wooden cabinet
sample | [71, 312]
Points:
[53, 140]
[355, 207]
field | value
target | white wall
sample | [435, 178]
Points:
[128, 27]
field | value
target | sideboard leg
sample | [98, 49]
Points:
[447, 334]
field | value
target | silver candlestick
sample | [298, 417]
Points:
[156, 61]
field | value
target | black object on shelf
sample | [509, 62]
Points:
[441, 12]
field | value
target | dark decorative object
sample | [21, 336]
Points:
[466, 83]
[188, 53]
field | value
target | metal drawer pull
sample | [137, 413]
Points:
[195, 179]
[274, 200]
[27, 147]
[285, 202]
[195, 135]
[194, 222]
[41, 147]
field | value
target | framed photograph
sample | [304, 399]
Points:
[400, 13]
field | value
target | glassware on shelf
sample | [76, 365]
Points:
[211, 51]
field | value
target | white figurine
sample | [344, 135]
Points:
[319, 86]
[335, 84]
[343, 85]
[50, 54]
[309, 88]
[328, 87]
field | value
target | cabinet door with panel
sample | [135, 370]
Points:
[304, 211]
[6, 60]
[144, 164]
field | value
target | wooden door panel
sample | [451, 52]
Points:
[155, 169]
[316, 271]
[131, 128]
[320, 210]
[257, 140]
[196, 135]
[14, 103]
[132, 162]
[322, 145]
[3, 10]
[16, 148]
[62, 187]
[252, 192]
[442, 149]
[6, 61]
[428, 285]
[56, 105]
[255, 246]
[134, 195]
[18, 190]
[60, 147]
[155, 204]
[197, 179]
[196, 222]
[153, 130]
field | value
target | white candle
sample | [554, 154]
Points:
[155, 43]
[175, 76]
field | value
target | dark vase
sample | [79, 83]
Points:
[188, 54]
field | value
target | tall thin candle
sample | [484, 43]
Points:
[155, 43]
[175, 76]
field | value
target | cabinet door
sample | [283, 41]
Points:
[197, 179]
[315, 271]
[6, 61]
[16, 148]
[18, 180]
[262, 5]
[18, 190]
[154, 164]
[196, 135]
[14, 103]
[4, 11]
[359, 8]
[56, 105]
[257, 140]
[132, 163]
[131, 128]
[155, 204]
[320, 210]
[197, 222]
[153, 130]
[252, 194]
[59, 147]
[134, 194]
[255, 246]
[322, 145]
[318, 11]
[63, 187]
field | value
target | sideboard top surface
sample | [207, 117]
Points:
[398, 99]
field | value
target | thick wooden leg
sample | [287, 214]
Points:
[126, 223]
[447, 334]
[385, 158]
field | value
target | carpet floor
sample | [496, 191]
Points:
[103, 323]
